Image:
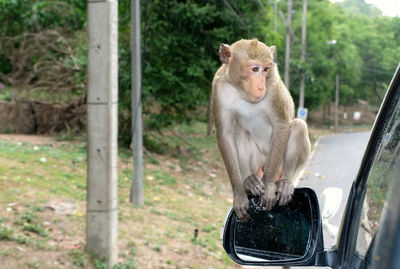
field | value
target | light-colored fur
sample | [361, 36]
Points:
[255, 136]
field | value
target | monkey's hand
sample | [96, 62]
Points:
[269, 198]
[241, 205]
[285, 190]
[253, 185]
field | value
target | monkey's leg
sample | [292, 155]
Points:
[260, 173]
[251, 167]
[273, 163]
[295, 159]
[253, 185]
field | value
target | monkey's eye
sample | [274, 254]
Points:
[256, 69]
[268, 67]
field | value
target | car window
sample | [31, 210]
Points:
[380, 179]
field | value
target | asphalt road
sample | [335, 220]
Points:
[335, 163]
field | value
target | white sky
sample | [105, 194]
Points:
[388, 7]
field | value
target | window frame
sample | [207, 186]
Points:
[346, 243]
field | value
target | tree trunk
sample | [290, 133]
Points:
[210, 120]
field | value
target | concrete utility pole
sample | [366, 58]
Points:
[102, 105]
[303, 53]
[337, 103]
[288, 43]
[136, 195]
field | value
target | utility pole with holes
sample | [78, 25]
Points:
[102, 109]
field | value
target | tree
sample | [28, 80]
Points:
[180, 53]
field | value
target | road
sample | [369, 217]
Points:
[335, 163]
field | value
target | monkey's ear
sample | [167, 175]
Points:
[225, 54]
[273, 49]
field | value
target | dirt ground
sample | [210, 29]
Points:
[32, 139]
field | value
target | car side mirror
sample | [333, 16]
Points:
[331, 199]
[288, 235]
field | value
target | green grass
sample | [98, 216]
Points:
[179, 198]
[6, 234]
[5, 94]
[58, 169]
[35, 229]
[78, 258]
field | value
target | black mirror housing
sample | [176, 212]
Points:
[289, 235]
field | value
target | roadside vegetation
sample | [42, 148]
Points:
[187, 196]
[43, 56]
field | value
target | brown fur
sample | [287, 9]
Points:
[235, 73]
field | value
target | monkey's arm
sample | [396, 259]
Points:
[280, 138]
[229, 155]
[223, 124]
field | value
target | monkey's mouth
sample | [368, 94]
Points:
[254, 98]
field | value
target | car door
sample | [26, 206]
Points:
[377, 243]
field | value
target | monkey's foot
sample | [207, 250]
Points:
[253, 185]
[241, 205]
[285, 190]
[269, 198]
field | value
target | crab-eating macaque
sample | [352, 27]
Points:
[263, 146]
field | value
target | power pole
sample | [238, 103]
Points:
[275, 14]
[303, 53]
[136, 195]
[102, 108]
[288, 43]
[337, 103]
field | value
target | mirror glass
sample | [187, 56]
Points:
[280, 234]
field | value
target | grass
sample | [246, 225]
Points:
[180, 197]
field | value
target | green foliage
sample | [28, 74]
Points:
[165, 178]
[100, 264]
[153, 145]
[360, 7]
[20, 16]
[6, 234]
[42, 52]
[362, 55]
[26, 217]
[129, 264]
[209, 228]
[78, 258]
[180, 43]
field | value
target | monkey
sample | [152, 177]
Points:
[263, 146]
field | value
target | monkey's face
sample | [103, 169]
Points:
[249, 63]
[254, 80]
